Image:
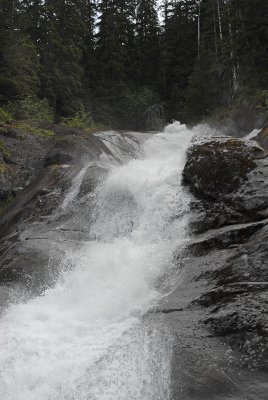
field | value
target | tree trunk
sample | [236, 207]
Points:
[199, 29]
[219, 19]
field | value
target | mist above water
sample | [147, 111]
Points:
[86, 338]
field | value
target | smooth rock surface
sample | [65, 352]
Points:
[220, 305]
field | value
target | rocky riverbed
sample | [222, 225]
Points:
[40, 175]
[217, 311]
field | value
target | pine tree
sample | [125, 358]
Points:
[250, 36]
[114, 52]
[19, 62]
[114, 58]
[202, 94]
[89, 61]
[61, 55]
[147, 43]
[180, 50]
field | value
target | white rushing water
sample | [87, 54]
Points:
[252, 134]
[86, 338]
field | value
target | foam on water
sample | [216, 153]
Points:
[85, 339]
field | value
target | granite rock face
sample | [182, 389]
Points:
[218, 311]
[229, 179]
[46, 200]
[37, 174]
[24, 155]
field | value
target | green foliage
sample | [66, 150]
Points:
[61, 53]
[19, 68]
[82, 120]
[3, 167]
[31, 109]
[3, 149]
[115, 58]
[147, 42]
[35, 130]
[141, 109]
[5, 117]
[202, 95]
[178, 55]
[263, 102]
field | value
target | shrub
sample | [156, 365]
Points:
[32, 109]
[82, 120]
[5, 117]
[3, 149]
[35, 130]
[141, 109]
[263, 102]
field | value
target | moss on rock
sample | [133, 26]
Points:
[217, 167]
[35, 130]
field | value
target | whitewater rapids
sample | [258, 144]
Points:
[86, 338]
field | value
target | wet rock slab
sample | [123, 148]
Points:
[36, 227]
[220, 318]
[233, 174]
[47, 190]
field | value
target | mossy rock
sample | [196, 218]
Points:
[2, 167]
[35, 130]
[218, 167]
[4, 150]
[5, 117]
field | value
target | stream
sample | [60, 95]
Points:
[92, 335]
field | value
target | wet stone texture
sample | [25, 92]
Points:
[220, 307]
[35, 229]
[230, 178]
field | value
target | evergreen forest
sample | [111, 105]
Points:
[133, 64]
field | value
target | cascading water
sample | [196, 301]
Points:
[87, 338]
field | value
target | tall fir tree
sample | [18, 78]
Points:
[113, 57]
[114, 52]
[147, 43]
[19, 61]
[61, 42]
[179, 52]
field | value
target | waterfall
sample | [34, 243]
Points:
[88, 337]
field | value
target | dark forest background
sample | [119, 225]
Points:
[132, 64]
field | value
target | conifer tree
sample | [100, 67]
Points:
[19, 63]
[114, 51]
[113, 57]
[180, 52]
[147, 43]
[61, 55]
[89, 61]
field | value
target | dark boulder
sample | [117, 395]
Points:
[218, 167]
[229, 177]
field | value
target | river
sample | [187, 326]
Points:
[90, 336]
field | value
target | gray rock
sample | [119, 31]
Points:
[35, 228]
[229, 177]
[218, 312]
